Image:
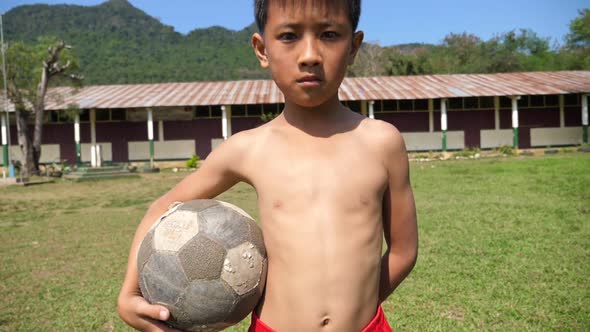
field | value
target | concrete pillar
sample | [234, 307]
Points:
[561, 111]
[364, 107]
[77, 139]
[93, 150]
[226, 121]
[443, 123]
[161, 131]
[515, 121]
[430, 115]
[93, 126]
[150, 129]
[4, 141]
[371, 109]
[585, 119]
[497, 112]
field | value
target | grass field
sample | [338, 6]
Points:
[504, 245]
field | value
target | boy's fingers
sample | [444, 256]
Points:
[156, 312]
[154, 326]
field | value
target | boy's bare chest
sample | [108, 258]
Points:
[320, 170]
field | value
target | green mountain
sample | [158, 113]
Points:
[118, 43]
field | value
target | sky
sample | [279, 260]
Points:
[387, 22]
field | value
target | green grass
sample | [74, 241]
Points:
[504, 245]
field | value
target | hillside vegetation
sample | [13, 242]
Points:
[118, 43]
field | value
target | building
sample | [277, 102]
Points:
[172, 121]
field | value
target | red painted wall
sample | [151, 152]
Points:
[201, 130]
[406, 121]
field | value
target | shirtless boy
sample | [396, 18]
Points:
[330, 184]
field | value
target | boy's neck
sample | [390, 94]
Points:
[321, 121]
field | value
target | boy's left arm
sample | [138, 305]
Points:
[399, 219]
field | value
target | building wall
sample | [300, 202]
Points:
[201, 130]
[538, 126]
[406, 121]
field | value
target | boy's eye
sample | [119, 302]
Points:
[329, 35]
[287, 36]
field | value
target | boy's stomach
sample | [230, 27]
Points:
[323, 272]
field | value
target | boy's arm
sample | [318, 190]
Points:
[399, 218]
[218, 173]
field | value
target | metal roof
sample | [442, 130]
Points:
[361, 88]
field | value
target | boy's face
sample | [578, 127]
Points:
[307, 45]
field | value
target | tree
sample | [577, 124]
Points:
[30, 70]
[579, 36]
[369, 61]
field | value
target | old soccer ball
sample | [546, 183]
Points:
[205, 261]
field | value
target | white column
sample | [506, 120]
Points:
[93, 126]
[443, 114]
[226, 121]
[515, 121]
[430, 115]
[584, 110]
[497, 112]
[561, 111]
[515, 112]
[443, 123]
[371, 109]
[77, 129]
[150, 124]
[4, 132]
[150, 128]
[161, 131]
[77, 139]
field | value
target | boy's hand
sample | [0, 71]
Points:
[143, 316]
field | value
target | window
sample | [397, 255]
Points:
[537, 101]
[102, 115]
[486, 102]
[270, 108]
[355, 105]
[405, 105]
[436, 105]
[505, 102]
[572, 100]
[254, 110]
[216, 111]
[238, 110]
[523, 102]
[84, 116]
[377, 106]
[389, 105]
[471, 103]
[552, 100]
[118, 114]
[202, 112]
[455, 103]
[421, 105]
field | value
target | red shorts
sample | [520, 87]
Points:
[377, 324]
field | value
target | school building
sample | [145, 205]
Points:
[173, 121]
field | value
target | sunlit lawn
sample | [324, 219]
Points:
[504, 245]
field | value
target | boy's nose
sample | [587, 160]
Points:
[310, 54]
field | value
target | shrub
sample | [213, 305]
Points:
[193, 162]
[507, 150]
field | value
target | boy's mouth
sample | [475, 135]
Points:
[309, 80]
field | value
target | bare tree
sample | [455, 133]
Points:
[29, 74]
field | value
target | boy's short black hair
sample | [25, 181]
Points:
[261, 7]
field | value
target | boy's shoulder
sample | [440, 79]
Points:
[381, 134]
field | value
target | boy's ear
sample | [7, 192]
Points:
[357, 41]
[260, 49]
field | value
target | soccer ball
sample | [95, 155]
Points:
[205, 261]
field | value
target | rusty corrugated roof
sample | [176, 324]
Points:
[361, 88]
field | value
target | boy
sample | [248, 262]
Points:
[330, 183]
